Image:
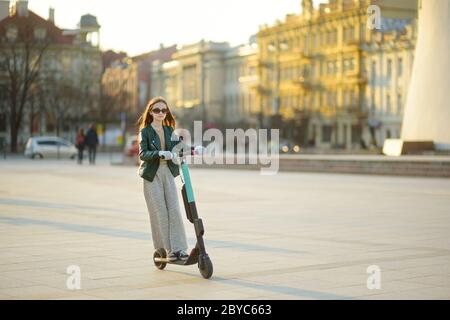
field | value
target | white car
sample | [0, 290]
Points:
[50, 147]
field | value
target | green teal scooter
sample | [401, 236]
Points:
[197, 255]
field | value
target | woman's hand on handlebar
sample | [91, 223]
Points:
[166, 155]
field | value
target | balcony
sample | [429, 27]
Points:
[303, 82]
[305, 56]
[262, 90]
[265, 64]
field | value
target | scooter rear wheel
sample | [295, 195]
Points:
[207, 269]
[160, 253]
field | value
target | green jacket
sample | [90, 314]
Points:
[149, 147]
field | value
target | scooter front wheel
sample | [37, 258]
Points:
[160, 253]
[206, 268]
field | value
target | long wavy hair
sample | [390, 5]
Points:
[146, 118]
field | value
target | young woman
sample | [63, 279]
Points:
[80, 144]
[156, 126]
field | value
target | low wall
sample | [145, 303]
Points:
[421, 166]
[359, 165]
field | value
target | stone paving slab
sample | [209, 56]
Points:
[287, 236]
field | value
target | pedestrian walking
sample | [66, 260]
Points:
[156, 126]
[91, 142]
[80, 144]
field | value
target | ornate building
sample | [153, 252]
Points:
[193, 82]
[127, 84]
[312, 71]
[120, 85]
[241, 85]
[67, 86]
[389, 62]
[144, 64]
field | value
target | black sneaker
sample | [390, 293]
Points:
[182, 255]
[172, 256]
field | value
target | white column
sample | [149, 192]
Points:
[427, 113]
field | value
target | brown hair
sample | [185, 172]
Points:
[146, 118]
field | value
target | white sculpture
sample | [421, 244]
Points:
[427, 112]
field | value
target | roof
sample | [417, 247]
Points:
[55, 33]
[88, 20]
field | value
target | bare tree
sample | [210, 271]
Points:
[21, 56]
[62, 100]
[111, 104]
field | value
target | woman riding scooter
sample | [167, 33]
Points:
[156, 126]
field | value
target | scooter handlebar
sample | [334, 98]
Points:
[181, 154]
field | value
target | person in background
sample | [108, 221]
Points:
[80, 141]
[92, 142]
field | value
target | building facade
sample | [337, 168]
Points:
[389, 62]
[127, 88]
[120, 84]
[312, 71]
[241, 86]
[67, 86]
[144, 64]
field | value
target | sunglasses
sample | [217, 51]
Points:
[157, 110]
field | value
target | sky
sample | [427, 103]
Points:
[138, 26]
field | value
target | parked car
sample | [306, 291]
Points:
[50, 147]
[287, 146]
[132, 146]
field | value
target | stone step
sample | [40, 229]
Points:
[439, 169]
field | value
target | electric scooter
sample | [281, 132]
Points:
[198, 254]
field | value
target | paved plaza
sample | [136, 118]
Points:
[287, 236]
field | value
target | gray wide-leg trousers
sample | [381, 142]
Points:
[166, 222]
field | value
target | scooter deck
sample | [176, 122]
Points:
[178, 262]
[192, 259]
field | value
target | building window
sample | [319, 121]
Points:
[11, 33]
[189, 82]
[363, 33]
[330, 99]
[400, 67]
[331, 37]
[389, 69]
[374, 72]
[330, 68]
[66, 63]
[372, 102]
[326, 133]
[40, 33]
[353, 98]
[323, 39]
[316, 41]
[388, 104]
[349, 65]
[349, 34]
[356, 133]
[388, 134]
[399, 104]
